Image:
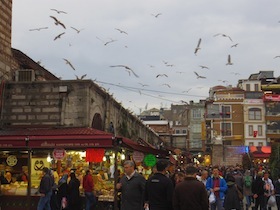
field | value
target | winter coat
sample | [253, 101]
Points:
[159, 191]
[223, 186]
[231, 197]
[133, 192]
[190, 195]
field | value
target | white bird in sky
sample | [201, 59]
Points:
[186, 91]
[81, 78]
[77, 30]
[229, 61]
[38, 29]
[69, 63]
[121, 31]
[58, 36]
[108, 42]
[235, 45]
[161, 75]
[224, 35]
[204, 67]
[197, 46]
[199, 76]
[143, 85]
[57, 22]
[58, 11]
[156, 15]
[166, 85]
[127, 68]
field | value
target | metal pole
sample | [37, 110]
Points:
[29, 173]
[116, 175]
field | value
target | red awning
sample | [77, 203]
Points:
[55, 138]
[260, 152]
[147, 150]
[67, 138]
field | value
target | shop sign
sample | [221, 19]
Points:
[150, 160]
[138, 157]
[59, 154]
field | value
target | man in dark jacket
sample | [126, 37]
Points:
[258, 191]
[45, 190]
[191, 193]
[132, 187]
[159, 189]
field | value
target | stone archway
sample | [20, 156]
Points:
[97, 122]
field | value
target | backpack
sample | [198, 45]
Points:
[248, 181]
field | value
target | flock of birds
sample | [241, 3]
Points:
[131, 72]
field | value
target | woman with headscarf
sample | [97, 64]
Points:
[73, 193]
[62, 189]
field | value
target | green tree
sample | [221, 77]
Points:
[274, 160]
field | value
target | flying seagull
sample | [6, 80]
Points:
[167, 85]
[235, 45]
[108, 42]
[77, 30]
[57, 22]
[81, 78]
[38, 29]
[198, 46]
[186, 91]
[156, 15]
[229, 61]
[58, 36]
[224, 35]
[161, 75]
[204, 67]
[121, 31]
[59, 11]
[69, 63]
[198, 76]
[127, 68]
[143, 85]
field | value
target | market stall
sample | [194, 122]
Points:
[24, 153]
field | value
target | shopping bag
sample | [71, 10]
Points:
[271, 201]
[212, 198]
[63, 203]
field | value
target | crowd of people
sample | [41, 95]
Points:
[64, 192]
[196, 188]
[185, 188]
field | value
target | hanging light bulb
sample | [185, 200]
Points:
[49, 159]
[104, 158]
[122, 156]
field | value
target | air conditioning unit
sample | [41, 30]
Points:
[24, 75]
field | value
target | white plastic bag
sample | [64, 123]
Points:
[212, 198]
[271, 201]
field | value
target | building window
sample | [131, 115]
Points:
[251, 131]
[184, 131]
[255, 114]
[256, 87]
[177, 131]
[196, 113]
[260, 144]
[247, 87]
[226, 129]
[226, 112]
[251, 144]
[196, 128]
[260, 130]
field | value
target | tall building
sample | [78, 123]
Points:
[254, 110]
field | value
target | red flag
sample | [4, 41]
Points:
[94, 155]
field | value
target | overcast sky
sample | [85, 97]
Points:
[159, 38]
